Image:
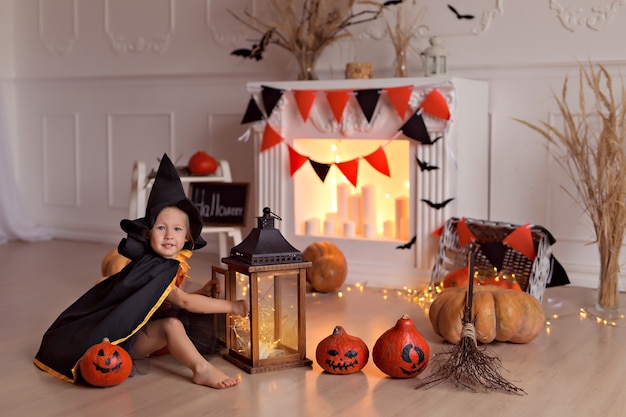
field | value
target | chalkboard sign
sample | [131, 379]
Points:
[220, 203]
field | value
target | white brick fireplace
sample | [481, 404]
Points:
[370, 220]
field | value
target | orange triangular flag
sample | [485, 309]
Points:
[296, 160]
[438, 231]
[304, 100]
[399, 97]
[378, 160]
[338, 100]
[465, 234]
[436, 105]
[270, 138]
[350, 169]
[521, 239]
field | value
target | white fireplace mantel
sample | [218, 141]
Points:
[462, 156]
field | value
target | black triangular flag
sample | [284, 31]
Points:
[270, 98]
[415, 128]
[320, 169]
[494, 252]
[367, 100]
[253, 113]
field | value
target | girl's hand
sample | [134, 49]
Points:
[240, 307]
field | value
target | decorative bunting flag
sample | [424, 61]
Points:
[296, 160]
[494, 252]
[368, 99]
[253, 113]
[270, 97]
[465, 234]
[438, 231]
[350, 169]
[270, 138]
[399, 97]
[338, 100]
[320, 169]
[304, 100]
[415, 128]
[378, 160]
[435, 104]
[521, 239]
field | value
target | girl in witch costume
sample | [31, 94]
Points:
[137, 307]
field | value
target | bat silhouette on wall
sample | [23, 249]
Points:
[437, 205]
[256, 52]
[425, 166]
[459, 15]
[408, 244]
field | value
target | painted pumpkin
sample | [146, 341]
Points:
[402, 351]
[105, 364]
[341, 353]
[505, 315]
[329, 268]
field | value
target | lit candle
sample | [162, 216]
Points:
[388, 228]
[369, 230]
[312, 227]
[369, 204]
[343, 195]
[329, 227]
[348, 229]
[402, 216]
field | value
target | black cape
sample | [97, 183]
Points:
[115, 308]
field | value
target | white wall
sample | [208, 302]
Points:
[85, 110]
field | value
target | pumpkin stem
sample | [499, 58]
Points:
[405, 316]
[106, 340]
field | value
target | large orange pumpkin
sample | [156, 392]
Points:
[105, 364]
[504, 315]
[329, 268]
[113, 263]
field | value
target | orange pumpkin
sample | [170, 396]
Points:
[504, 315]
[402, 351]
[113, 263]
[341, 353]
[329, 268]
[105, 364]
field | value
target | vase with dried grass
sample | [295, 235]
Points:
[306, 28]
[591, 149]
[402, 33]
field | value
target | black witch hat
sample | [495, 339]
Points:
[167, 191]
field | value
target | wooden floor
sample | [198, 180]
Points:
[577, 367]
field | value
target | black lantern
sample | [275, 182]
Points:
[270, 273]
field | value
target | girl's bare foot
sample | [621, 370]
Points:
[214, 378]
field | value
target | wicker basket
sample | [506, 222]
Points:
[532, 276]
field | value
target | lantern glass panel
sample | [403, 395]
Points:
[240, 326]
[287, 311]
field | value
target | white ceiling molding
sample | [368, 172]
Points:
[46, 10]
[595, 16]
[156, 43]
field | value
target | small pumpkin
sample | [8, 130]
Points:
[457, 278]
[113, 263]
[505, 315]
[105, 364]
[329, 268]
[341, 353]
[402, 351]
[201, 163]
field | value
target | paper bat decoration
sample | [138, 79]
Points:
[460, 16]
[437, 205]
[392, 2]
[425, 166]
[432, 142]
[256, 52]
[408, 244]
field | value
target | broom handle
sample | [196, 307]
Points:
[470, 284]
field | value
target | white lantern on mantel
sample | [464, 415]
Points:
[436, 58]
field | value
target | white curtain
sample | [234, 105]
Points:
[15, 220]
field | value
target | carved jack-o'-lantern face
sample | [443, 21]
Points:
[414, 358]
[105, 364]
[341, 353]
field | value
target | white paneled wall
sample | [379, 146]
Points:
[90, 86]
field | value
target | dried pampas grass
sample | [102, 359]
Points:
[591, 148]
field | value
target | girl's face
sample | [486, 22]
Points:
[170, 232]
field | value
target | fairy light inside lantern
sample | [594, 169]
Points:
[436, 57]
[271, 274]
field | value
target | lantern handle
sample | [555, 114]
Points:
[267, 212]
